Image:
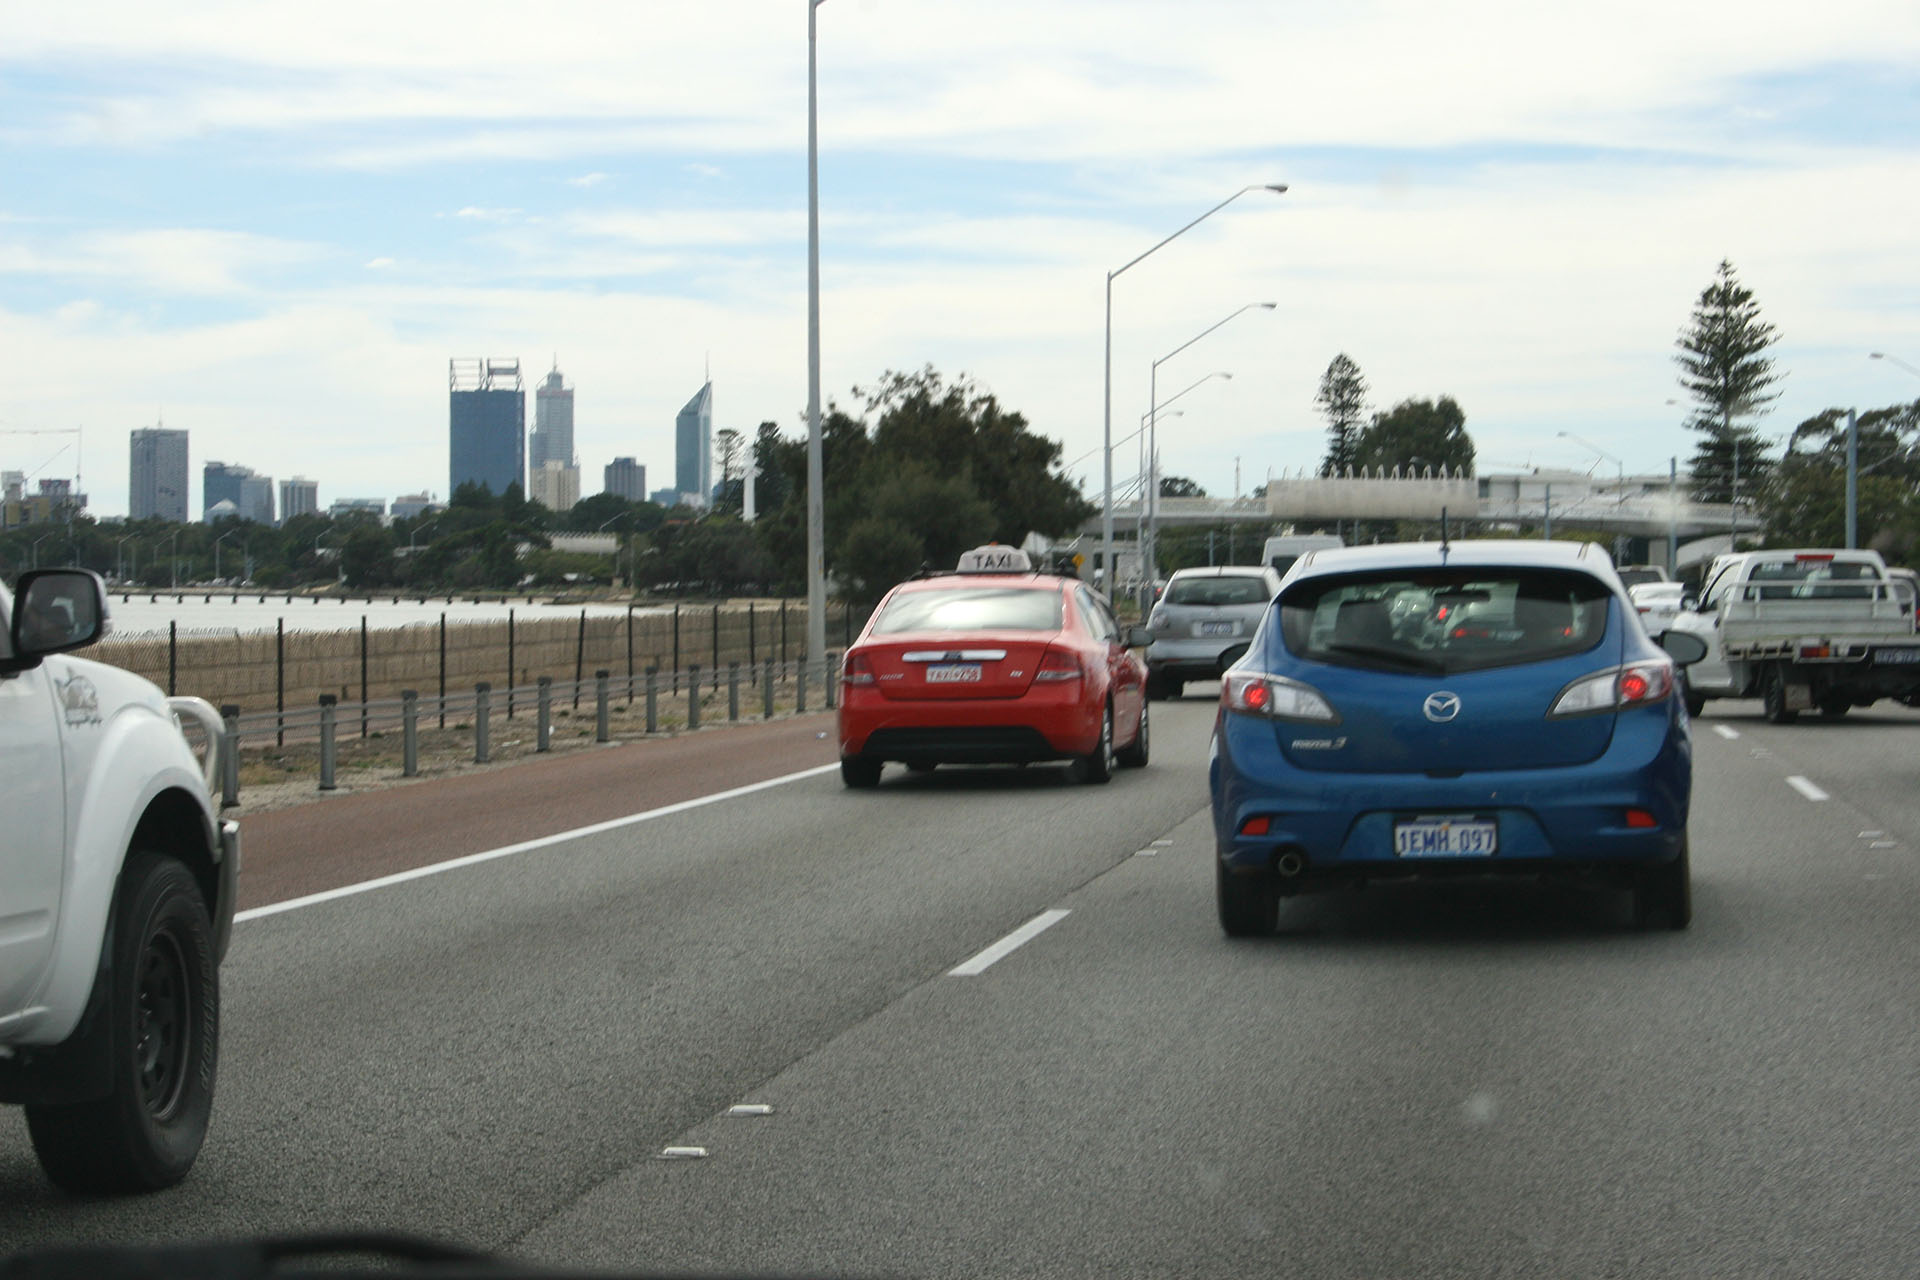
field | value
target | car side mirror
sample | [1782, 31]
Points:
[1690, 603]
[1138, 637]
[55, 610]
[1682, 647]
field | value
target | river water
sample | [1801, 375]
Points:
[145, 613]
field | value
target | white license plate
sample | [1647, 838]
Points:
[954, 673]
[1216, 628]
[1445, 838]
[1884, 656]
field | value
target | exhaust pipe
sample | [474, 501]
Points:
[1289, 864]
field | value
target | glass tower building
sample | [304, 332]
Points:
[693, 449]
[486, 425]
[157, 475]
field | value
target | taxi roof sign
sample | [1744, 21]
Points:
[994, 558]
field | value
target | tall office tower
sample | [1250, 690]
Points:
[298, 497]
[486, 424]
[13, 484]
[556, 486]
[552, 438]
[627, 479]
[693, 449]
[157, 475]
[410, 506]
[251, 494]
[256, 498]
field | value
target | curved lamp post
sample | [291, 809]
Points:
[1106, 515]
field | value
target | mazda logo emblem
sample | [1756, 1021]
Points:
[1441, 707]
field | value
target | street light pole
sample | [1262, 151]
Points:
[1106, 506]
[1151, 559]
[816, 518]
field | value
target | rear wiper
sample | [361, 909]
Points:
[1400, 657]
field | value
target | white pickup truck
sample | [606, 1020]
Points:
[117, 882]
[1803, 630]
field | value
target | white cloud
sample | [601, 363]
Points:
[379, 264]
[587, 180]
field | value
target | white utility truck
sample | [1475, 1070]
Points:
[117, 882]
[1803, 630]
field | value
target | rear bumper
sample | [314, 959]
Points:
[1194, 659]
[1549, 821]
[1042, 725]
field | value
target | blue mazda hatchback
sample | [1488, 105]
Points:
[1486, 708]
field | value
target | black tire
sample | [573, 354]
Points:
[1773, 697]
[1156, 686]
[1663, 894]
[859, 773]
[1134, 754]
[1096, 767]
[1249, 903]
[1171, 688]
[921, 767]
[1833, 707]
[1695, 704]
[162, 1036]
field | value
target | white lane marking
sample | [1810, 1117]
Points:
[525, 846]
[1162, 844]
[1145, 853]
[1728, 734]
[1805, 787]
[1006, 946]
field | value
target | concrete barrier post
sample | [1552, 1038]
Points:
[602, 728]
[653, 699]
[800, 689]
[733, 691]
[482, 708]
[693, 696]
[543, 736]
[766, 690]
[830, 677]
[327, 701]
[230, 757]
[409, 733]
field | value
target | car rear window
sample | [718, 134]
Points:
[1221, 590]
[962, 608]
[1442, 621]
[1640, 577]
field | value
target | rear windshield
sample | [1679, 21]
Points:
[1444, 620]
[1239, 589]
[1812, 579]
[971, 609]
[1640, 577]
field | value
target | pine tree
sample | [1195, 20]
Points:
[1343, 399]
[1725, 368]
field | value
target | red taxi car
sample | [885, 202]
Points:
[993, 664]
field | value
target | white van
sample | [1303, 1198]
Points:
[1280, 553]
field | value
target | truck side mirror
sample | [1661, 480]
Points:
[1683, 648]
[55, 610]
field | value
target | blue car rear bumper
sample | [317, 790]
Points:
[1565, 819]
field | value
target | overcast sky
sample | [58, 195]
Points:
[272, 224]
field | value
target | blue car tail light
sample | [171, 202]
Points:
[1616, 688]
[1258, 693]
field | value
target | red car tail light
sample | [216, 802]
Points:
[857, 670]
[1057, 666]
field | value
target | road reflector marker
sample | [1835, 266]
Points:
[1026, 933]
[683, 1153]
[1806, 788]
[749, 1109]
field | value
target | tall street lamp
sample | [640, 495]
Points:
[1150, 560]
[1148, 423]
[816, 519]
[1620, 468]
[119, 549]
[1106, 514]
[1881, 355]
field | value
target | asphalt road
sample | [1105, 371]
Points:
[1416, 1081]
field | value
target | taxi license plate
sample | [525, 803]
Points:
[1885, 656]
[954, 673]
[1445, 838]
[1216, 628]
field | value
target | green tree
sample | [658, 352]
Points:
[1416, 435]
[1180, 487]
[1343, 399]
[1725, 368]
[367, 558]
[1803, 501]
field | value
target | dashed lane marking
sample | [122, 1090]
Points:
[1728, 734]
[1026, 933]
[1806, 788]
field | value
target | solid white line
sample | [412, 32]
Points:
[1006, 946]
[1806, 788]
[1728, 734]
[525, 846]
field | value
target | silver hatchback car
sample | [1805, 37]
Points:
[1203, 623]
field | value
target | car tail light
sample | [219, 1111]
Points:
[1056, 667]
[1158, 621]
[1640, 818]
[1259, 826]
[1255, 693]
[857, 670]
[1633, 685]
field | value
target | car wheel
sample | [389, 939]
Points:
[1096, 767]
[1172, 688]
[859, 772]
[1833, 707]
[1663, 894]
[921, 767]
[162, 1039]
[1695, 704]
[1156, 686]
[1773, 698]
[1249, 903]
[1134, 754]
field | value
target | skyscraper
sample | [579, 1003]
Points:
[553, 485]
[627, 479]
[487, 424]
[693, 448]
[251, 494]
[157, 475]
[298, 497]
[552, 439]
